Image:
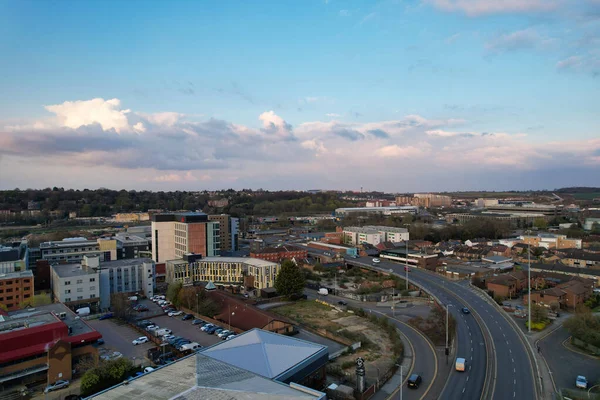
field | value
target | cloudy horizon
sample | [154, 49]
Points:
[432, 95]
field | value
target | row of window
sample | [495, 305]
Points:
[67, 299]
[2, 299]
[79, 290]
[80, 281]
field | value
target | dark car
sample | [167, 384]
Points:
[100, 342]
[186, 317]
[106, 316]
[197, 322]
[342, 303]
[212, 329]
[414, 381]
[465, 310]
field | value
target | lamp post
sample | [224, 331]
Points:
[529, 283]
[406, 263]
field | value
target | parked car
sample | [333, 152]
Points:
[342, 303]
[226, 335]
[148, 369]
[106, 316]
[212, 329]
[187, 317]
[414, 381]
[465, 310]
[142, 309]
[231, 337]
[166, 338]
[113, 356]
[145, 323]
[581, 382]
[152, 327]
[140, 340]
[174, 339]
[206, 327]
[61, 384]
[376, 260]
[224, 332]
[100, 342]
[174, 313]
[197, 322]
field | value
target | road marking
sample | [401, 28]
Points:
[471, 349]
[514, 370]
[513, 360]
[464, 389]
[467, 379]
[514, 382]
[514, 394]
[504, 335]
[471, 340]
[507, 342]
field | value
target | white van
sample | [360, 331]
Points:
[190, 346]
[460, 364]
[83, 311]
[323, 292]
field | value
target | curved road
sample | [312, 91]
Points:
[424, 356]
[514, 367]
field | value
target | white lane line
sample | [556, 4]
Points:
[514, 394]
[514, 381]
[464, 389]
[513, 360]
[514, 370]
[471, 349]
[504, 335]
[507, 342]
[471, 359]
[471, 340]
[467, 379]
[510, 350]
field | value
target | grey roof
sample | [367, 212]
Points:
[70, 270]
[124, 263]
[9, 255]
[42, 315]
[497, 259]
[17, 274]
[265, 353]
[199, 377]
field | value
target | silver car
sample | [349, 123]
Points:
[56, 385]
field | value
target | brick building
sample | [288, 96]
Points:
[15, 289]
[278, 254]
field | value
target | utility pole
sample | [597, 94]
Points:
[393, 304]
[447, 349]
[529, 285]
[401, 380]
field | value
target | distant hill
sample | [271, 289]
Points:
[583, 189]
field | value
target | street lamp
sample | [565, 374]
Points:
[529, 285]
[406, 263]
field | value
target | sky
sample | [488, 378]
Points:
[397, 96]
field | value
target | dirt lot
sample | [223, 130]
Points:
[376, 347]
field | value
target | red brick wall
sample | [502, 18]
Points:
[197, 238]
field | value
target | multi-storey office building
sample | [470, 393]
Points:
[16, 289]
[177, 234]
[126, 276]
[131, 246]
[72, 250]
[229, 231]
[75, 284]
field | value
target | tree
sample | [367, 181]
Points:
[107, 374]
[538, 313]
[188, 297]
[173, 293]
[540, 223]
[42, 299]
[584, 326]
[290, 280]
[120, 306]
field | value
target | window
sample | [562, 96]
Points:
[9, 282]
[27, 296]
[79, 297]
[9, 290]
[79, 280]
[79, 290]
[9, 297]
[92, 279]
[26, 280]
[67, 282]
[92, 287]
[67, 299]
[67, 291]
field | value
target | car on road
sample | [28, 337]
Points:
[342, 303]
[376, 260]
[414, 381]
[175, 313]
[60, 384]
[140, 340]
[407, 269]
[465, 310]
[187, 317]
[460, 364]
[106, 316]
[581, 382]
[197, 322]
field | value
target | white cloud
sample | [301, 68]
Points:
[314, 144]
[395, 151]
[486, 7]
[274, 124]
[519, 40]
[139, 127]
[163, 118]
[107, 113]
[332, 115]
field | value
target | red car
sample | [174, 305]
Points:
[407, 269]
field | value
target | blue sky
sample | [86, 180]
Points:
[272, 94]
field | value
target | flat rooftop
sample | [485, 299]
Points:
[71, 270]
[124, 263]
[42, 315]
[16, 275]
[68, 242]
[198, 377]
[257, 262]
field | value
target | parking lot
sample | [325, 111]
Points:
[187, 330]
[118, 337]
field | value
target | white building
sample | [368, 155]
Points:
[126, 276]
[340, 212]
[486, 202]
[70, 250]
[374, 235]
[589, 223]
[76, 283]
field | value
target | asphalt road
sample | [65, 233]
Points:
[565, 364]
[514, 369]
[469, 342]
[425, 361]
